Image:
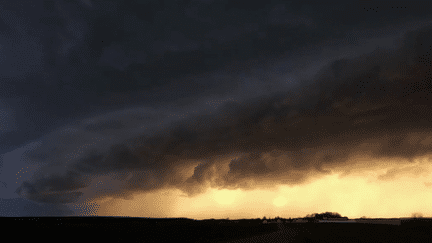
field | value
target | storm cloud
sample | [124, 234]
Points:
[130, 99]
[373, 107]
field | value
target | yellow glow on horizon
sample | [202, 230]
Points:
[353, 196]
[280, 201]
[225, 197]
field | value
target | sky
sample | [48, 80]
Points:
[215, 109]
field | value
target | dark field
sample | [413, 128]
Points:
[186, 230]
[360, 233]
[134, 229]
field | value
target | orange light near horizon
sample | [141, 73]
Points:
[225, 196]
[355, 195]
[280, 201]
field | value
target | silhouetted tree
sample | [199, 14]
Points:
[324, 215]
[315, 217]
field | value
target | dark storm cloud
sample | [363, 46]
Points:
[160, 67]
[104, 125]
[375, 106]
[19, 207]
[66, 60]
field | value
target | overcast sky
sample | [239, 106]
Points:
[215, 108]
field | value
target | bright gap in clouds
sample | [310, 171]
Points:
[359, 194]
[280, 201]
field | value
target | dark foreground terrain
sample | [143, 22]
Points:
[360, 233]
[110, 229]
[114, 229]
